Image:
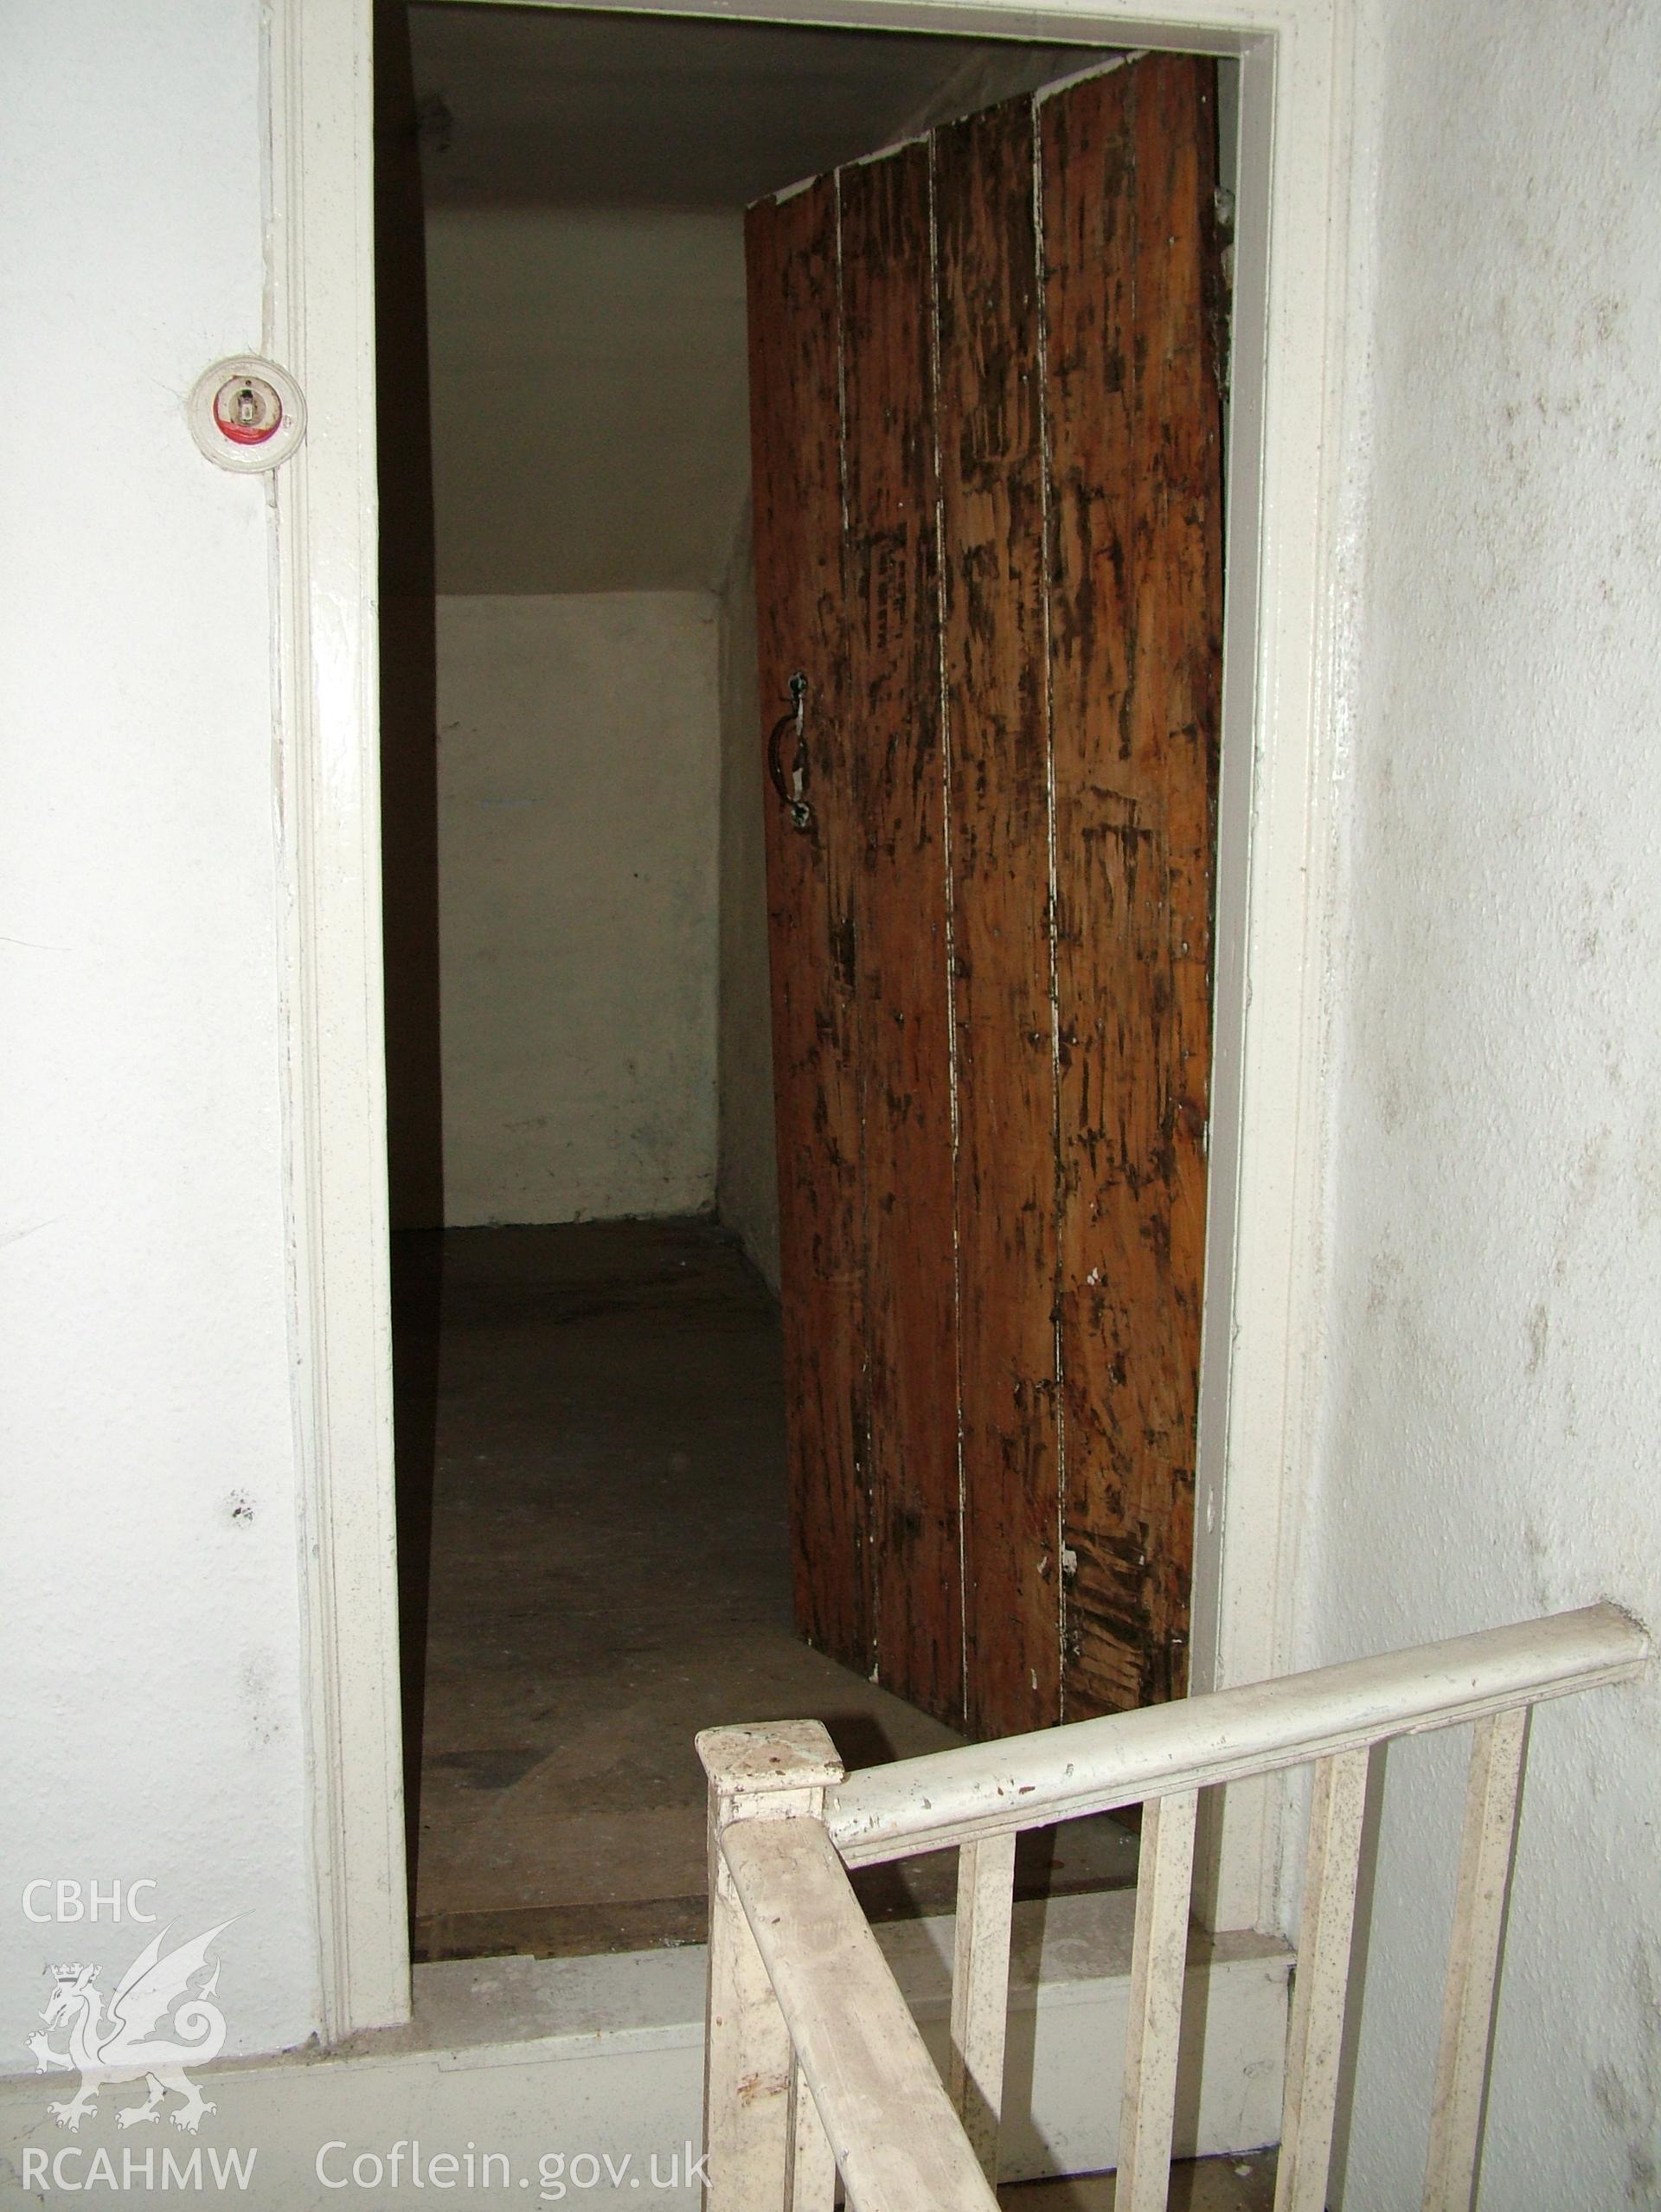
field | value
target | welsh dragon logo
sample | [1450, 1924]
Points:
[119, 2047]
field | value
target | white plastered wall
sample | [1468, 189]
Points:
[591, 466]
[151, 1636]
[1489, 1381]
[590, 430]
[579, 795]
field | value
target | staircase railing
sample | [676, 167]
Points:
[814, 2065]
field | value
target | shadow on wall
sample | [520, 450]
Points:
[409, 842]
[409, 805]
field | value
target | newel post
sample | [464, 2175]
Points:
[776, 1771]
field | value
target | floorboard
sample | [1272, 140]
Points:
[1243, 2184]
[597, 1411]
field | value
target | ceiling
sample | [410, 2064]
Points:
[584, 173]
[550, 107]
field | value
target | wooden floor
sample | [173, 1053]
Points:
[590, 1470]
[1245, 2184]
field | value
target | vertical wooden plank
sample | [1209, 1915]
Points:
[793, 258]
[1133, 424]
[991, 500]
[1158, 1970]
[1321, 1983]
[980, 1991]
[1456, 2115]
[894, 720]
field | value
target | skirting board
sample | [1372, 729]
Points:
[583, 2079]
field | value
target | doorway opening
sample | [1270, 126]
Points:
[591, 1360]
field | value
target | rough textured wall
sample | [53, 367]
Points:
[1493, 1380]
[150, 1639]
[746, 1184]
[579, 797]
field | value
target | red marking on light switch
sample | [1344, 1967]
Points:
[258, 432]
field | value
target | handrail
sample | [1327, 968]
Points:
[861, 2052]
[813, 2065]
[1029, 1781]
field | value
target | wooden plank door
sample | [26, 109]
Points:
[988, 485]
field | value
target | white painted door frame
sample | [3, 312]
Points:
[1273, 870]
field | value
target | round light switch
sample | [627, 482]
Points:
[246, 414]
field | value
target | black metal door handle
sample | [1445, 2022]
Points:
[792, 788]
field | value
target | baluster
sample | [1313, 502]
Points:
[1159, 1967]
[1490, 1801]
[980, 1990]
[812, 2185]
[1320, 1982]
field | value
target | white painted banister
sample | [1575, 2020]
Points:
[1159, 1963]
[814, 2066]
[810, 2185]
[1316, 2036]
[1473, 1961]
[896, 2140]
[980, 1990]
[1029, 1781]
[753, 2134]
